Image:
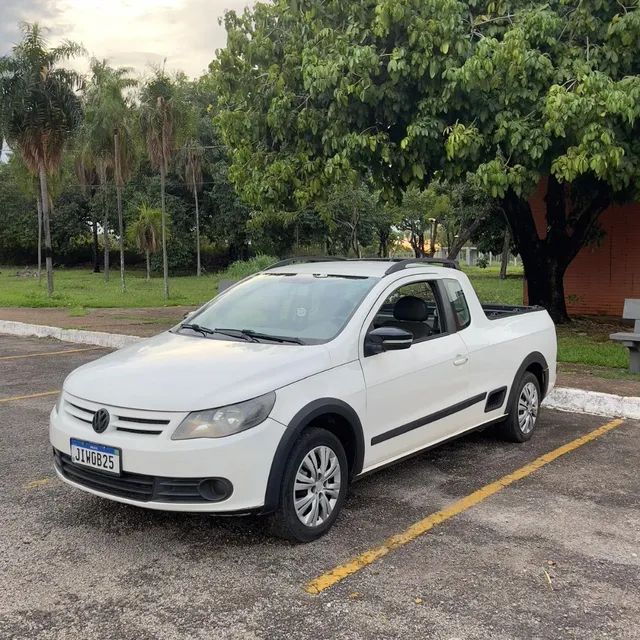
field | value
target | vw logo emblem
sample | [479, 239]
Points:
[100, 420]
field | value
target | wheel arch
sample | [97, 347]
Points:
[536, 363]
[330, 413]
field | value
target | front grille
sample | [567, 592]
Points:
[148, 423]
[134, 486]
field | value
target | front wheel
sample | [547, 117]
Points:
[313, 488]
[523, 414]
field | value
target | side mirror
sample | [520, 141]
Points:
[386, 339]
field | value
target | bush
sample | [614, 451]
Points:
[482, 263]
[244, 268]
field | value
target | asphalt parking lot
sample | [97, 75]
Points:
[555, 554]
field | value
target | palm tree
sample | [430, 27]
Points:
[109, 140]
[39, 110]
[145, 232]
[87, 177]
[191, 161]
[161, 118]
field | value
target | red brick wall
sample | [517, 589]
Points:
[602, 276]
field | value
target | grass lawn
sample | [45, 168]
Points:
[79, 288]
[586, 342]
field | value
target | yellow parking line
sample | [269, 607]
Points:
[32, 395]
[48, 353]
[34, 484]
[332, 577]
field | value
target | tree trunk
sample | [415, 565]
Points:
[506, 250]
[96, 244]
[355, 244]
[433, 237]
[464, 236]
[48, 251]
[413, 240]
[105, 231]
[148, 264]
[39, 205]
[118, 181]
[545, 260]
[198, 265]
[383, 242]
[545, 287]
[165, 263]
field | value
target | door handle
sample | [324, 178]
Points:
[460, 360]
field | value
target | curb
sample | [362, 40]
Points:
[594, 402]
[79, 336]
[561, 398]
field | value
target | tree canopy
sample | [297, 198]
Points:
[510, 92]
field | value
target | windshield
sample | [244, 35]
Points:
[311, 307]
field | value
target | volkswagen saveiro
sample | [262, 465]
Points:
[278, 393]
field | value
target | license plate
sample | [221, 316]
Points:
[96, 456]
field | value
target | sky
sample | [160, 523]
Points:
[132, 33]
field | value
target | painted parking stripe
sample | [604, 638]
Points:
[48, 353]
[31, 395]
[332, 577]
[35, 484]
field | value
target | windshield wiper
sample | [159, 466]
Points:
[236, 333]
[205, 331]
[267, 336]
[244, 334]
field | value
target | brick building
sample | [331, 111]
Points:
[602, 276]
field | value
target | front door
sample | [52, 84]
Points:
[415, 397]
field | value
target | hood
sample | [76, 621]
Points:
[173, 372]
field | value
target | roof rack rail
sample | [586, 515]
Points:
[304, 259]
[400, 264]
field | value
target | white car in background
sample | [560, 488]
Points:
[273, 397]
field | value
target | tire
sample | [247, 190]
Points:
[523, 413]
[326, 495]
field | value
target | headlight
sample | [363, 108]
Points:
[218, 423]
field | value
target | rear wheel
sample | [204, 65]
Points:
[313, 488]
[523, 414]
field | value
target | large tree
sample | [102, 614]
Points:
[39, 110]
[519, 94]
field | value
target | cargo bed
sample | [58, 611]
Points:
[497, 311]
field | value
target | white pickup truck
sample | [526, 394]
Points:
[286, 387]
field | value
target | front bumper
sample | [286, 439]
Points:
[161, 466]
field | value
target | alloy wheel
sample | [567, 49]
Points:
[317, 486]
[528, 405]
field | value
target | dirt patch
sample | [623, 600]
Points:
[596, 328]
[137, 322]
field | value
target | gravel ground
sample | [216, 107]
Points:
[555, 555]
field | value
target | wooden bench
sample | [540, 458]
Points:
[631, 340]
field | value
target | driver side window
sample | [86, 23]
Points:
[412, 307]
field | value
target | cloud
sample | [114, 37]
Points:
[196, 31]
[135, 33]
[13, 12]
